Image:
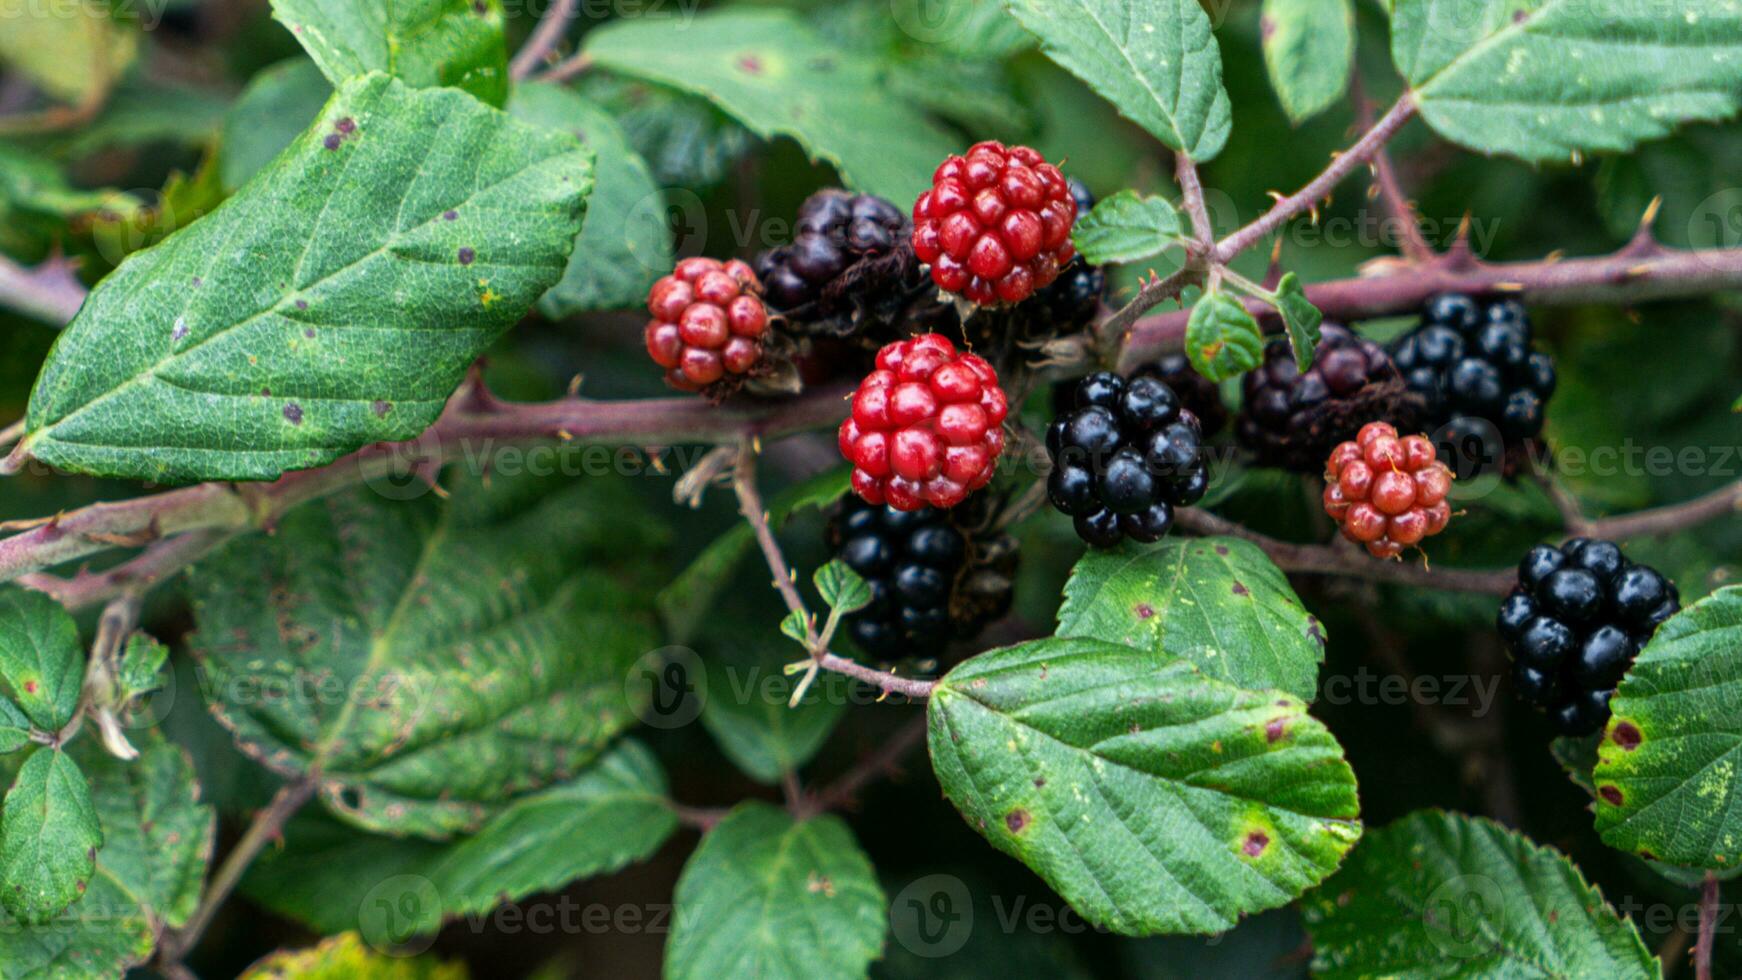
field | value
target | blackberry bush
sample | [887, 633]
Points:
[1124, 459]
[1574, 623]
[1293, 419]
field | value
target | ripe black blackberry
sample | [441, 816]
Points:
[1481, 385]
[1578, 616]
[1293, 420]
[1124, 458]
[1197, 394]
[935, 575]
[849, 263]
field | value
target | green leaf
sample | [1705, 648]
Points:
[333, 877]
[142, 667]
[1127, 227]
[685, 603]
[1155, 60]
[72, 49]
[476, 649]
[1152, 798]
[278, 104]
[14, 727]
[1545, 79]
[345, 957]
[1217, 602]
[769, 897]
[793, 625]
[685, 140]
[1301, 318]
[1667, 766]
[33, 183]
[748, 709]
[625, 244]
[1444, 895]
[1309, 47]
[355, 315]
[776, 76]
[42, 665]
[842, 588]
[157, 840]
[425, 43]
[1222, 339]
[48, 838]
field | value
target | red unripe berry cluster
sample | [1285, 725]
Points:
[708, 322]
[927, 425]
[996, 224]
[1387, 493]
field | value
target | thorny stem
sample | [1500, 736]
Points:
[1414, 247]
[1708, 927]
[577, 65]
[268, 824]
[544, 39]
[1185, 172]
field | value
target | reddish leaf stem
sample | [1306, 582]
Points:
[545, 37]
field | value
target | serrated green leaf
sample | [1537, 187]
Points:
[842, 588]
[1667, 766]
[71, 49]
[1127, 227]
[748, 710]
[356, 313]
[766, 896]
[42, 665]
[331, 876]
[1220, 603]
[686, 141]
[626, 242]
[779, 78]
[14, 727]
[1444, 895]
[1545, 79]
[425, 43]
[1152, 798]
[1301, 318]
[1222, 339]
[149, 873]
[142, 667]
[278, 104]
[48, 838]
[793, 625]
[1156, 61]
[1309, 48]
[685, 603]
[477, 649]
[345, 957]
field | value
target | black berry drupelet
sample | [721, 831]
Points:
[1123, 458]
[848, 261]
[1197, 394]
[1293, 420]
[1578, 616]
[1478, 380]
[934, 575]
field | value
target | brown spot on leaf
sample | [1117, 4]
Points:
[467, 256]
[451, 216]
[309, 333]
[1626, 735]
[1256, 842]
[751, 64]
[382, 408]
[1039, 781]
[1314, 630]
[1610, 794]
[1266, 27]
[1016, 820]
[30, 687]
[1143, 610]
[1222, 550]
[346, 126]
[1645, 853]
[1275, 730]
[1240, 588]
[333, 141]
[293, 413]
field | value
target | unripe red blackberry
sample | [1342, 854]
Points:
[995, 225]
[927, 426]
[1387, 493]
[708, 323]
[1293, 420]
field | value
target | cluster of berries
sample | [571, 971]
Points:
[1578, 616]
[708, 323]
[1385, 492]
[1292, 419]
[1124, 458]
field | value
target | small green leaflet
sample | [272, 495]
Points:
[1152, 798]
[1222, 339]
[1127, 227]
[793, 625]
[14, 727]
[1666, 771]
[1546, 79]
[1156, 61]
[42, 665]
[1300, 317]
[1444, 895]
[48, 838]
[626, 242]
[769, 897]
[1309, 48]
[1217, 602]
[842, 588]
[315, 312]
[775, 75]
[426, 43]
[141, 669]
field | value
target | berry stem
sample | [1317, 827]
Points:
[1185, 171]
[1664, 520]
[1708, 927]
[544, 39]
[1115, 329]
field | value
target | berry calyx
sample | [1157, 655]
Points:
[927, 426]
[1292, 420]
[708, 323]
[995, 225]
[1574, 623]
[1124, 458]
[1387, 493]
